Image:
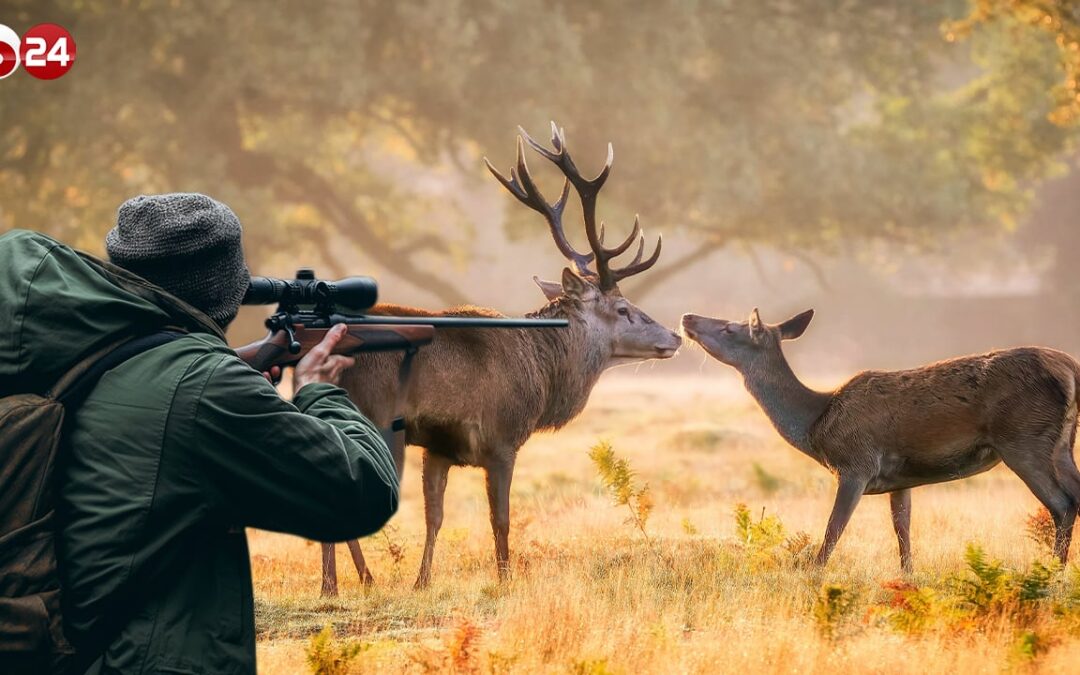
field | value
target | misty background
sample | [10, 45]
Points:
[907, 168]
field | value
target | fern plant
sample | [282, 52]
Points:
[990, 589]
[765, 541]
[619, 480]
[833, 605]
[325, 656]
[986, 588]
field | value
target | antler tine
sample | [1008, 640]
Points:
[637, 265]
[560, 149]
[510, 184]
[618, 250]
[561, 158]
[524, 188]
[640, 250]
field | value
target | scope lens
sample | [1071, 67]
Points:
[263, 291]
[356, 293]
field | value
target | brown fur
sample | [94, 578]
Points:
[483, 392]
[892, 431]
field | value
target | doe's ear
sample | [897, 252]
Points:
[755, 324]
[796, 325]
[550, 289]
[574, 286]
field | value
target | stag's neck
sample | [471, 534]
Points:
[571, 364]
[790, 405]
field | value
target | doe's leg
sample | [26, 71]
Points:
[436, 468]
[1063, 533]
[1069, 478]
[900, 504]
[500, 472]
[1033, 463]
[848, 494]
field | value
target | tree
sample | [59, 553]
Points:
[1057, 18]
[807, 125]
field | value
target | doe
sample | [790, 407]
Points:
[890, 431]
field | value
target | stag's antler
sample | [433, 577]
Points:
[521, 185]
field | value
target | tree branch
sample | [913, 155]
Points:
[299, 183]
[813, 266]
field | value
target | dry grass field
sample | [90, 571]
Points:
[694, 593]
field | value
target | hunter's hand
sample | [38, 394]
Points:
[320, 365]
[273, 376]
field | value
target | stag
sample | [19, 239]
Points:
[892, 431]
[478, 395]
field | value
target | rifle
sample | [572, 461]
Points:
[308, 307]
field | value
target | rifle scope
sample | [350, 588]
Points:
[355, 293]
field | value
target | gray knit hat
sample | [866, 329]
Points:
[188, 244]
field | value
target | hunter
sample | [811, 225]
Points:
[178, 449]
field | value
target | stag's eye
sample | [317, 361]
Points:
[729, 328]
[622, 311]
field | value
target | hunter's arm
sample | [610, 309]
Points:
[318, 469]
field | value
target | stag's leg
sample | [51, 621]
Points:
[436, 468]
[848, 494]
[900, 503]
[329, 572]
[499, 474]
[361, 565]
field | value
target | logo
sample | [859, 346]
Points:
[9, 51]
[46, 51]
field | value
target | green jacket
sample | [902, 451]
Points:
[171, 455]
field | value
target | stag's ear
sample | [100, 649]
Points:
[576, 287]
[756, 327]
[550, 289]
[796, 325]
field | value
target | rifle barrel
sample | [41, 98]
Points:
[437, 321]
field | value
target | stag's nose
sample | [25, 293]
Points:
[668, 350]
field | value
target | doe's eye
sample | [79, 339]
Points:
[622, 311]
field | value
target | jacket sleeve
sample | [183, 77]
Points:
[316, 467]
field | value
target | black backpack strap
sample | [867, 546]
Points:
[75, 393]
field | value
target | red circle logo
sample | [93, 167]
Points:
[48, 51]
[9, 60]
[9, 51]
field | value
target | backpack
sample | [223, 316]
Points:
[32, 638]
[65, 319]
